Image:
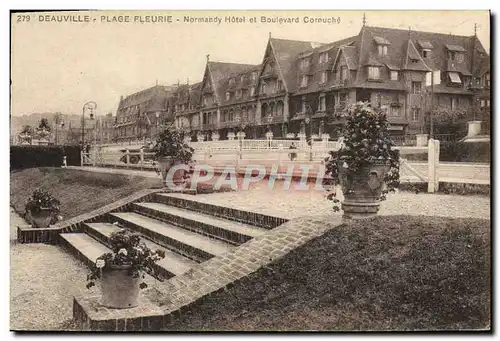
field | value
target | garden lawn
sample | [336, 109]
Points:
[78, 191]
[383, 273]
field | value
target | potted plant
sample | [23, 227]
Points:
[42, 209]
[171, 149]
[122, 269]
[366, 166]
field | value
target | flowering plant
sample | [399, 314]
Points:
[128, 250]
[42, 200]
[366, 142]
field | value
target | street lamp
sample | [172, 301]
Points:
[91, 105]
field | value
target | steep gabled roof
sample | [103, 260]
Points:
[286, 53]
[221, 72]
[414, 60]
[242, 81]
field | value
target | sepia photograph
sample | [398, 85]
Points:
[250, 171]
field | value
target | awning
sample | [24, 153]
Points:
[381, 41]
[454, 77]
[392, 67]
[425, 45]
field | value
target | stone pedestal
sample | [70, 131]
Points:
[422, 140]
[474, 128]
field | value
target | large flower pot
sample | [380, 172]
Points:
[119, 289]
[166, 163]
[362, 190]
[41, 219]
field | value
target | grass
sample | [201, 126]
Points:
[78, 191]
[384, 273]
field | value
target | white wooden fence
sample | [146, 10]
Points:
[244, 152]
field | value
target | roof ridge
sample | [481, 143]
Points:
[415, 31]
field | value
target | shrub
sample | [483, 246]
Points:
[465, 151]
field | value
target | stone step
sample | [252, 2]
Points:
[188, 244]
[226, 230]
[172, 265]
[195, 204]
[87, 249]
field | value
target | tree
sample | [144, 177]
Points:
[44, 124]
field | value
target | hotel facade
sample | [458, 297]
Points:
[302, 86]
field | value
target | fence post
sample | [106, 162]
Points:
[433, 160]
[127, 157]
[142, 157]
[81, 158]
[238, 156]
[280, 156]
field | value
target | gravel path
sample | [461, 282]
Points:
[43, 281]
[295, 203]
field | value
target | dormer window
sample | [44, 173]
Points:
[254, 75]
[426, 53]
[228, 96]
[252, 91]
[324, 77]
[243, 78]
[323, 57]
[304, 63]
[303, 81]
[487, 79]
[373, 72]
[343, 73]
[382, 50]
[394, 75]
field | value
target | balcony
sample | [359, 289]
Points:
[340, 83]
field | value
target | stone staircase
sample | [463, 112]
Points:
[189, 231]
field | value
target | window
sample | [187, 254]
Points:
[238, 94]
[243, 78]
[324, 77]
[279, 86]
[231, 81]
[343, 73]
[304, 63]
[415, 114]
[252, 91]
[487, 79]
[394, 75]
[343, 100]
[487, 103]
[228, 96]
[395, 111]
[373, 72]
[303, 81]
[453, 103]
[382, 50]
[416, 87]
[263, 88]
[451, 55]
[322, 103]
[323, 57]
[254, 75]
[303, 105]
[425, 53]
[483, 103]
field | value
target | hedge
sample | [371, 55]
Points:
[465, 152]
[22, 157]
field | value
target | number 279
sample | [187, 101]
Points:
[23, 18]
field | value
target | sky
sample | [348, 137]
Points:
[59, 66]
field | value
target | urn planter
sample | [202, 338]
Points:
[166, 163]
[41, 219]
[362, 190]
[120, 290]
